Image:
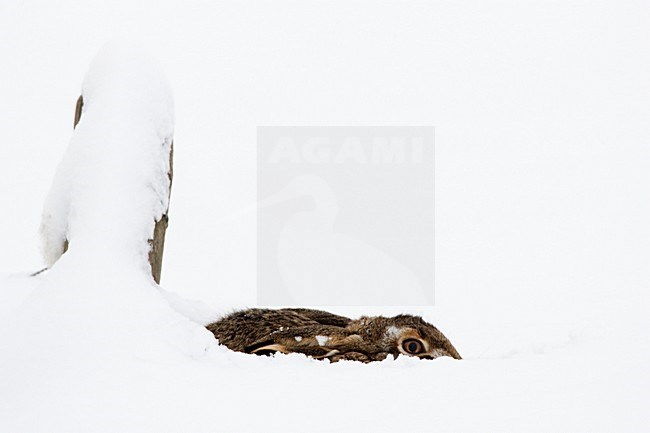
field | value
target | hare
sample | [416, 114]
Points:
[323, 335]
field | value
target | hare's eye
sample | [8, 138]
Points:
[412, 346]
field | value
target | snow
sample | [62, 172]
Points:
[541, 212]
[392, 331]
[106, 192]
[96, 323]
[322, 340]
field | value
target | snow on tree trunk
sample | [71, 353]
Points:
[158, 241]
[110, 195]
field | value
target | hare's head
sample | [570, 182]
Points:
[404, 335]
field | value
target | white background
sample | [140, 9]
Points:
[541, 112]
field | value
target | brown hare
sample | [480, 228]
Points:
[323, 335]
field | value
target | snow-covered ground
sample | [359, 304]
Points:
[542, 203]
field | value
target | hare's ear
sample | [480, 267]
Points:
[282, 344]
[314, 340]
[267, 349]
[316, 352]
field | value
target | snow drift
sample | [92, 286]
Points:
[97, 311]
